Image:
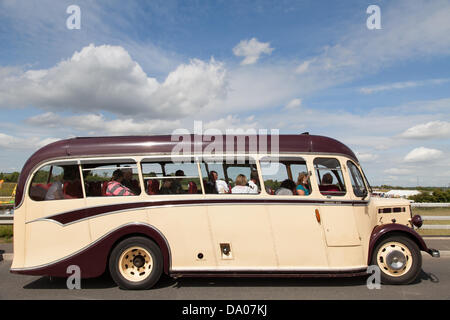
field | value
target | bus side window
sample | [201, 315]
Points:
[281, 175]
[170, 178]
[329, 176]
[230, 177]
[98, 177]
[56, 182]
[359, 188]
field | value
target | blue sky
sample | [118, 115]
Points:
[151, 67]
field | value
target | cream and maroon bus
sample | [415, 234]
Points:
[174, 217]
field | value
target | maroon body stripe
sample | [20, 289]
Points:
[94, 259]
[86, 213]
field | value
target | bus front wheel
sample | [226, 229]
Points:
[399, 260]
[136, 263]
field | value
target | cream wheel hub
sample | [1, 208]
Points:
[394, 258]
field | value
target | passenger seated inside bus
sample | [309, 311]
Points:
[68, 187]
[129, 182]
[115, 187]
[241, 185]
[192, 188]
[287, 188]
[166, 187]
[302, 184]
[176, 187]
[153, 187]
[327, 185]
[221, 185]
[215, 185]
[254, 181]
[210, 185]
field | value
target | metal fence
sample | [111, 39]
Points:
[6, 219]
[429, 218]
[430, 204]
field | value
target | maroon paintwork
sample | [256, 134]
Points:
[383, 229]
[103, 146]
[93, 260]
[75, 215]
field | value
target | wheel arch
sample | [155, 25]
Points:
[382, 232]
[152, 234]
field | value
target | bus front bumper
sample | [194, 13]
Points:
[434, 253]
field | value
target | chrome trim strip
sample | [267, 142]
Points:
[276, 269]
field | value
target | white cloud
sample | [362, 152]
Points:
[232, 122]
[411, 30]
[106, 78]
[96, 124]
[367, 157]
[432, 129]
[304, 66]
[423, 154]
[294, 104]
[251, 50]
[35, 22]
[391, 178]
[399, 171]
[256, 88]
[401, 85]
[33, 143]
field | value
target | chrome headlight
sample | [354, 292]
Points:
[417, 221]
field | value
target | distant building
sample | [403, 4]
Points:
[401, 193]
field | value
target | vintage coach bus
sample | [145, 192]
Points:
[174, 218]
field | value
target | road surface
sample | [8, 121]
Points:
[434, 283]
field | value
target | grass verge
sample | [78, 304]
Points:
[431, 211]
[433, 232]
[6, 234]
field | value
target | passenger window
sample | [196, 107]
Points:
[167, 177]
[111, 179]
[56, 182]
[329, 177]
[231, 177]
[359, 188]
[285, 176]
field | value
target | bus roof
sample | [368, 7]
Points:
[130, 145]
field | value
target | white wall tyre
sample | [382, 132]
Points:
[136, 263]
[399, 260]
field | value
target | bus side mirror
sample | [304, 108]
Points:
[365, 194]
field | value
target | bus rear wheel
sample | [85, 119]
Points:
[136, 263]
[399, 260]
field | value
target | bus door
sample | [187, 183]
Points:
[336, 212]
[298, 237]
